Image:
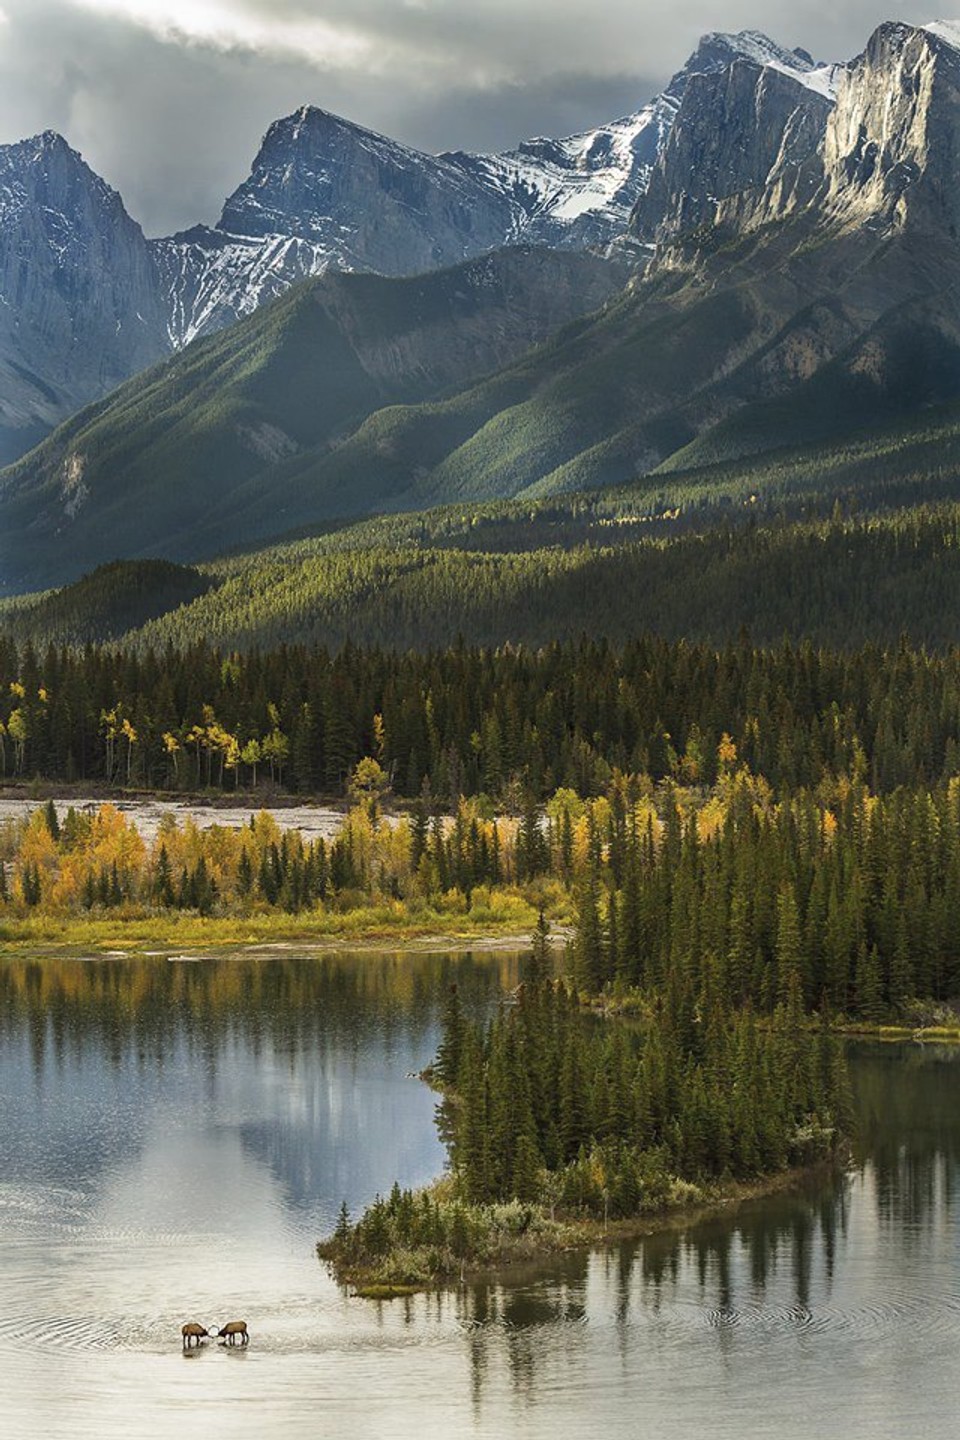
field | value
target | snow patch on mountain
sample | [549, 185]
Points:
[579, 190]
[325, 193]
[948, 30]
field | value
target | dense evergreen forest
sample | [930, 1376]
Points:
[707, 1094]
[607, 566]
[839, 582]
[838, 901]
[507, 724]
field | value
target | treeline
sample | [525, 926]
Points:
[507, 724]
[107, 603]
[852, 903]
[836, 581]
[546, 1108]
[99, 861]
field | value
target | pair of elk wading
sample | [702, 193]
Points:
[192, 1332]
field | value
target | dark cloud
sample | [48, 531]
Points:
[169, 100]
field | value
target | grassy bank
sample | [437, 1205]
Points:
[501, 916]
[925, 1021]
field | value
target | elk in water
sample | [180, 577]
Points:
[193, 1332]
[228, 1333]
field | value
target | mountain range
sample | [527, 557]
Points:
[766, 254]
[89, 300]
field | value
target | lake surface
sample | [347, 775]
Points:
[175, 1137]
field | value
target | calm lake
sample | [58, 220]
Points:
[175, 1137]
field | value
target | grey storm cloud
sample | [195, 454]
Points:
[168, 99]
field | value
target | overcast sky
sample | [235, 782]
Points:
[168, 99]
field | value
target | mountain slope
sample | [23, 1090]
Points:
[169, 455]
[806, 284]
[327, 193]
[763, 544]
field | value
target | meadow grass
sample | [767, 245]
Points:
[501, 913]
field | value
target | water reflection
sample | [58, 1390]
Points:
[120, 1007]
[174, 1137]
[866, 1253]
[302, 1063]
[910, 1132]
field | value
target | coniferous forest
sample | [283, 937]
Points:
[506, 723]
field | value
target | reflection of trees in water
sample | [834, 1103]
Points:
[909, 1132]
[510, 1319]
[147, 1009]
[787, 1237]
[734, 1263]
[780, 1251]
[505, 1320]
[304, 1057]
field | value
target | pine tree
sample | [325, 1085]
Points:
[588, 957]
[163, 881]
[446, 1067]
[869, 985]
[244, 875]
[788, 948]
[540, 963]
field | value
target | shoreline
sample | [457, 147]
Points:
[571, 1234]
[242, 939]
[896, 1034]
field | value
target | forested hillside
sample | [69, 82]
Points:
[176, 462]
[531, 576]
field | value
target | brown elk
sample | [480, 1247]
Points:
[193, 1332]
[228, 1333]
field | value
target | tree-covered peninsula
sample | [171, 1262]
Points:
[559, 1128]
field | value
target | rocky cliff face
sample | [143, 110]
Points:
[891, 151]
[87, 301]
[751, 126]
[369, 202]
[873, 145]
[326, 194]
[80, 301]
[747, 136]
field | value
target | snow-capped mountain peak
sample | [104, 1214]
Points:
[325, 193]
[720, 50]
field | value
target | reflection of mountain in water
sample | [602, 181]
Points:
[330, 1133]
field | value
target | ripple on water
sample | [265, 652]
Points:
[927, 1314]
[72, 1332]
